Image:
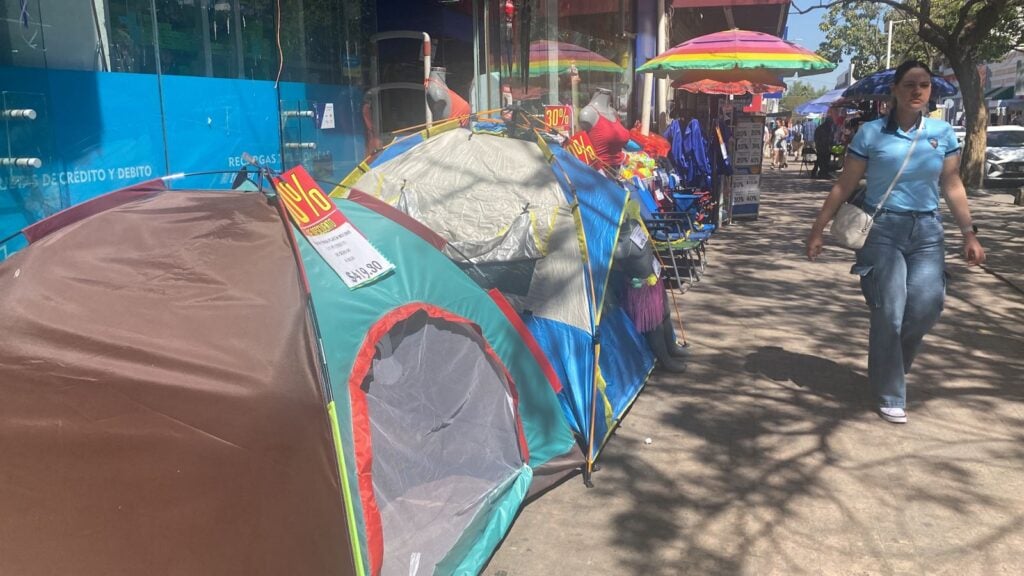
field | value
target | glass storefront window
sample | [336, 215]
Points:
[130, 38]
[575, 48]
[128, 90]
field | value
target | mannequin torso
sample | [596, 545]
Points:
[601, 123]
[437, 94]
[443, 101]
[599, 105]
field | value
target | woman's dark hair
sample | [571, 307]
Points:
[901, 71]
[907, 66]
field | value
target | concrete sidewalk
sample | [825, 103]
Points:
[766, 457]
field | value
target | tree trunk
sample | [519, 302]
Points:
[972, 161]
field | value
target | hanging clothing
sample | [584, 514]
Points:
[695, 149]
[609, 138]
[674, 135]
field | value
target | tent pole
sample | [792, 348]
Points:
[679, 318]
[595, 334]
[588, 475]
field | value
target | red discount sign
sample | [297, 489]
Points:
[559, 117]
[311, 209]
[582, 148]
[344, 248]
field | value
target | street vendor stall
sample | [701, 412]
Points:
[751, 60]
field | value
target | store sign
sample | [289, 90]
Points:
[559, 117]
[581, 147]
[746, 189]
[325, 116]
[748, 141]
[343, 247]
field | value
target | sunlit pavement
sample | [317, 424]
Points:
[766, 457]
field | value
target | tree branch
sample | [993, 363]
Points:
[928, 29]
[984, 22]
[962, 15]
[936, 34]
[819, 6]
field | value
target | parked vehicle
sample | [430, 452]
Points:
[1004, 154]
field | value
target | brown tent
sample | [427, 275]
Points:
[160, 406]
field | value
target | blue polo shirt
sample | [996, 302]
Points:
[884, 146]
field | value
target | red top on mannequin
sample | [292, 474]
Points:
[601, 122]
[609, 138]
[456, 105]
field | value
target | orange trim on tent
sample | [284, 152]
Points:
[361, 434]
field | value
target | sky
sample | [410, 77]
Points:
[803, 30]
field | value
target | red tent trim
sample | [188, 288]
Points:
[99, 204]
[361, 434]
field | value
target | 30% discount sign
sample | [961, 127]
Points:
[337, 241]
[559, 117]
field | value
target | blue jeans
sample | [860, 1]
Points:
[902, 276]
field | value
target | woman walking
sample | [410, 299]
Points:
[908, 159]
[779, 139]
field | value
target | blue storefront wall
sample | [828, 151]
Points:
[97, 131]
[212, 122]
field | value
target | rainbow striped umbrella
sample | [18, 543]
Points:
[735, 81]
[738, 49]
[545, 53]
[734, 88]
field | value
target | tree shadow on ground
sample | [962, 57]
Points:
[811, 373]
[754, 447]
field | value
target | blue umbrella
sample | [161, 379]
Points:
[878, 86]
[820, 104]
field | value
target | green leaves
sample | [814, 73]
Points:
[976, 29]
[966, 32]
[798, 93]
[859, 30]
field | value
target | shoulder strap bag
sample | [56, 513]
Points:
[851, 225]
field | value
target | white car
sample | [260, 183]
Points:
[1004, 153]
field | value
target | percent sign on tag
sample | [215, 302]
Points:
[582, 148]
[559, 117]
[337, 241]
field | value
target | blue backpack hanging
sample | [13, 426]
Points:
[695, 150]
[676, 155]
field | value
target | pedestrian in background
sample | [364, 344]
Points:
[797, 136]
[779, 145]
[902, 263]
[823, 149]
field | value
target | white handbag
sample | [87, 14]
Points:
[851, 225]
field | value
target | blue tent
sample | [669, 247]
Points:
[539, 225]
[820, 104]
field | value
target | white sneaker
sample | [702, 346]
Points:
[894, 415]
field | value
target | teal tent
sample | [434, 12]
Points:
[206, 363]
[541, 226]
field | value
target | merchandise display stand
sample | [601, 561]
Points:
[747, 150]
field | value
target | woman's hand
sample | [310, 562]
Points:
[973, 251]
[815, 243]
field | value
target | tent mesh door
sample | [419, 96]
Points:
[444, 436]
